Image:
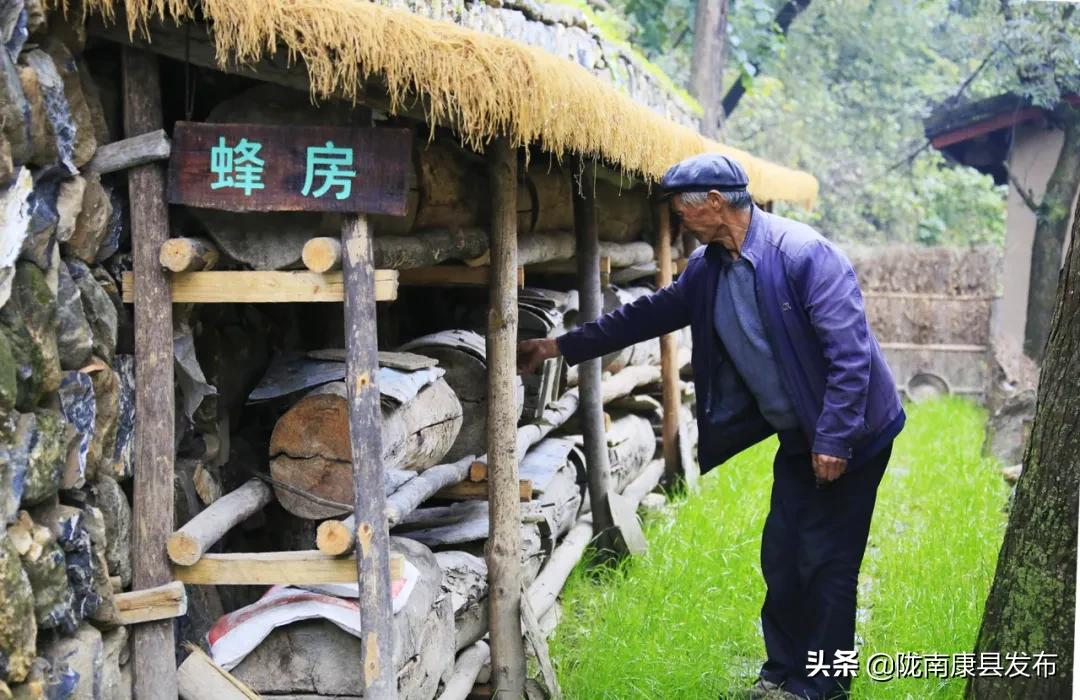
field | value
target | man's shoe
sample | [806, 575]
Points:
[763, 689]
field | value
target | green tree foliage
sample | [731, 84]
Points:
[1037, 47]
[845, 99]
[843, 96]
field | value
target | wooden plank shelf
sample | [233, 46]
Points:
[569, 267]
[224, 286]
[273, 568]
[451, 276]
[478, 490]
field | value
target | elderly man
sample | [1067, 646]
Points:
[781, 346]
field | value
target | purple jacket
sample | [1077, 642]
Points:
[812, 309]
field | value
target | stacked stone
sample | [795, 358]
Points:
[66, 395]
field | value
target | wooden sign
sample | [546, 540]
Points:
[259, 167]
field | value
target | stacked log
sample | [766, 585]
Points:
[66, 376]
[309, 448]
[462, 354]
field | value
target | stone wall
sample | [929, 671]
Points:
[66, 378]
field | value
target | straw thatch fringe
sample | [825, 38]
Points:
[482, 86]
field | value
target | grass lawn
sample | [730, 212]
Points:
[683, 620]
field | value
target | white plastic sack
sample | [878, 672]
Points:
[235, 635]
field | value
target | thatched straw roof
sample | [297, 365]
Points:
[481, 85]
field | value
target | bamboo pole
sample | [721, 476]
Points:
[152, 509]
[503, 547]
[369, 493]
[591, 407]
[669, 355]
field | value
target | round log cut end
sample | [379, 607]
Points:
[183, 549]
[322, 254]
[309, 450]
[323, 478]
[316, 425]
[333, 537]
[187, 255]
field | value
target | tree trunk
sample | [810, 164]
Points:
[1031, 605]
[1051, 229]
[707, 66]
[784, 17]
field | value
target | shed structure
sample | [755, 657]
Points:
[1015, 142]
[226, 430]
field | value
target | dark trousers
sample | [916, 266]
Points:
[811, 550]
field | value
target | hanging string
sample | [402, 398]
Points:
[189, 82]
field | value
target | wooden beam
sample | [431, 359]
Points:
[190, 542]
[188, 254]
[225, 286]
[153, 643]
[322, 254]
[569, 267]
[669, 354]
[479, 491]
[337, 536]
[369, 475]
[591, 306]
[985, 126]
[451, 276]
[545, 588]
[127, 153]
[466, 669]
[201, 678]
[159, 603]
[273, 568]
[503, 546]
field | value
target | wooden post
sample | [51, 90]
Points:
[369, 493]
[591, 404]
[504, 545]
[153, 643]
[669, 371]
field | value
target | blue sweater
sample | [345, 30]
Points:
[842, 390]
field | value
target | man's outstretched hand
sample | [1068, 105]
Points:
[532, 353]
[827, 468]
